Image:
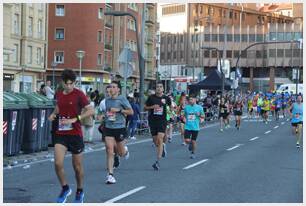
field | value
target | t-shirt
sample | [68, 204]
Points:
[70, 105]
[238, 107]
[297, 113]
[223, 108]
[266, 105]
[192, 114]
[156, 116]
[49, 92]
[116, 120]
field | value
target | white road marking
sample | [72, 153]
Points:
[125, 194]
[232, 148]
[195, 164]
[276, 127]
[283, 123]
[254, 138]
[267, 132]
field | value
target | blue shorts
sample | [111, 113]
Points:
[258, 109]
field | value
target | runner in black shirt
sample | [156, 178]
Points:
[157, 107]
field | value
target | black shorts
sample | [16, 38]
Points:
[262, 111]
[296, 124]
[237, 113]
[191, 134]
[157, 128]
[73, 143]
[277, 109]
[119, 134]
[223, 115]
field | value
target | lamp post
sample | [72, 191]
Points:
[218, 59]
[80, 54]
[53, 65]
[141, 60]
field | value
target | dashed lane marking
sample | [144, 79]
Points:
[195, 164]
[125, 194]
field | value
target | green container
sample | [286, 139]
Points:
[14, 113]
[37, 131]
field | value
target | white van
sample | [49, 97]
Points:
[290, 88]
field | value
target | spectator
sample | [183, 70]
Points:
[133, 119]
[49, 92]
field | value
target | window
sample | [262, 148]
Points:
[296, 52]
[100, 13]
[220, 12]
[272, 52]
[59, 57]
[196, 37]
[236, 53]
[16, 23]
[196, 54]
[259, 54]
[259, 37]
[174, 55]
[235, 15]
[182, 39]
[243, 17]
[30, 26]
[182, 54]
[213, 54]
[99, 36]
[206, 37]
[288, 36]
[229, 37]
[224, 13]
[228, 53]
[60, 10]
[131, 25]
[99, 59]
[206, 53]
[133, 6]
[38, 57]
[244, 37]
[237, 37]
[252, 38]
[60, 34]
[214, 37]
[280, 36]
[231, 14]
[39, 28]
[244, 54]
[29, 55]
[280, 53]
[15, 55]
[41, 6]
[221, 37]
[272, 36]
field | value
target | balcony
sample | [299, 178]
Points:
[108, 46]
[149, 38]
[150, 74]
[150, 20]
[108, 22]
[150, 5]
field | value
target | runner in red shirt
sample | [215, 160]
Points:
[69, 136]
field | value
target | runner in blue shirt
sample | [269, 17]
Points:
[193, 115]
[297, 119]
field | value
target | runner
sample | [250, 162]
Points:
[180, 110]
[297, 119]
[223, 111]
[69, 136]
[278, 106]
[156, 105]
[266, 108]
[117, 108]
[193, 115]
[254, 102]
[273, 106]
[229, 104]
[170, 119]
[238, 106]
[259, 106]
[284, 105]
[250, 107]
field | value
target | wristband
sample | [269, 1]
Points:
[79, 117]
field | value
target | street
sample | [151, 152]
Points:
[257, 164]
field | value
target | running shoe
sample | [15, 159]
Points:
[79, 197]
[116, 161]
[297, 145]
[169, 140]
[110, 179]
[221, 130]
[183, 143]
[133, 138]
[192, 156]
[127, 154]
[190, 146]
[164, 154]
[156, 166]
[63, 196]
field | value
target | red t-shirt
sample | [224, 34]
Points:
[70, 105]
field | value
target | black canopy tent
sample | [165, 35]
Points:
[212, 82]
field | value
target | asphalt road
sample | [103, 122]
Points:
[251, 165]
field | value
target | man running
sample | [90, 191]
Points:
[156, 104]
[238, 106]
[223, 112]
[69, 135]
[297, 119]
[180, 110]
[193, 115]
[266, 109]
[117, 108]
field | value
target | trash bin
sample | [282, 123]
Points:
[37, 131]
[14, 110]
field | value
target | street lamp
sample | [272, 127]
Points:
[141, 60]
[218, 59]
[53, 65]
[80, 54]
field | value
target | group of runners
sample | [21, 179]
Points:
[163, 112]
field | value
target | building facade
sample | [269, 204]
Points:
[24, 46]
[102, 40]
[230, 29]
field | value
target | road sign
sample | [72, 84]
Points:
[294, 73]
[125, 70]
[232, 76]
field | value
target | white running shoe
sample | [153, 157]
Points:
[127, 154]
[133, 138]
[110, 179]
[183, 143]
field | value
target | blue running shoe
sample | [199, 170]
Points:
[79, 197]
[63, 196]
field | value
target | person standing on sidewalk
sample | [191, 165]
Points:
[49, 91]
[157, 106]
[133, 119]
[117, 108]
[69, 136]
[88, 123]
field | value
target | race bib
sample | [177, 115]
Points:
[64, 127]
[297, 116]
[158, 111]
[222, 110]
[111, 116]
[191, 117]
[238, 109]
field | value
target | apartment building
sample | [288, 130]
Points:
[230, 29]
[102, 41]
[24, 46]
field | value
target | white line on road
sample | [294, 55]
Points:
[276, 127]
[125, 194]
[254, 138]
[238, 145]
[267, 132]
[283, 123]
[195, 164]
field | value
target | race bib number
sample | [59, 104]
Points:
[238, 109]
[191, 117]
[297, 115]
[158, 111]
[222, 110]
[111, 116]
[64, 127]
